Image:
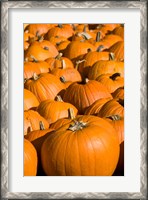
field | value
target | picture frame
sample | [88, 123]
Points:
[5, 100]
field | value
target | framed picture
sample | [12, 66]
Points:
[91, 23]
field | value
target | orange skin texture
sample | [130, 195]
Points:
[118, 126]
[54, 110]
[112, 107]
[85, 152]
[68, 74]
[83, 95]
[64, 31]
[30, 159]
[91, 58]
[47, 86]
[55, 40]
[38, 29]
[118, 93]
[56, 63]
[96, 106]
[104, 67]
[27, 36]
[30, 100]
[35, 67]
[77, 48]
[119, 31]
[118, 50]
[40, 51]
[109, 83]
[63, 45]
[108, 41]
[32, 120]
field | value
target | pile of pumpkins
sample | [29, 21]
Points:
[73, 100]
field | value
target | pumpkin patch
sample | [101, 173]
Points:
[73, 99]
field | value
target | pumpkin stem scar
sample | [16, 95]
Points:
[75, 125]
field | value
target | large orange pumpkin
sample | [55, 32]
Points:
[88, 146]
[30, 100]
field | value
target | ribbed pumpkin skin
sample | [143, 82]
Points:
[111, 83]
[96, 106]
[119, 93]
[118, 50]
[35, 67]
[83, 95]
[30, 100]
[85, 152]
[54, 110]
[47, 86]
[32, 120]
[104, 67]
[112, 107]
[30, 159]
[40, 51]
[118, 126]
[119, 31]
[68, 74]
[77, 48]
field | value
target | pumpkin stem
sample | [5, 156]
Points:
[41, 125]
[60, 26]
[86, 36]
[25, 79]
[99, 49]
[63, 64]
[62, 79]
[71, 113]
[74, 27]
[34, 59]
[46, 48]
[35, 76]
[75, 125]
[98, 36]
[58, 98]
[59, 56]
[85, 28]
[78, 62]
[26, 31]
[114, 76]
[114, 117]
[111, 56]
[40, 38]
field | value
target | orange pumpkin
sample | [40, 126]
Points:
[30, 100]
[45, 86]
[111, 81]
[32, 121]
[83, 94]
[77, 149]
[118, 93]
[54, 110]
[118, 50]
[30, 159]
